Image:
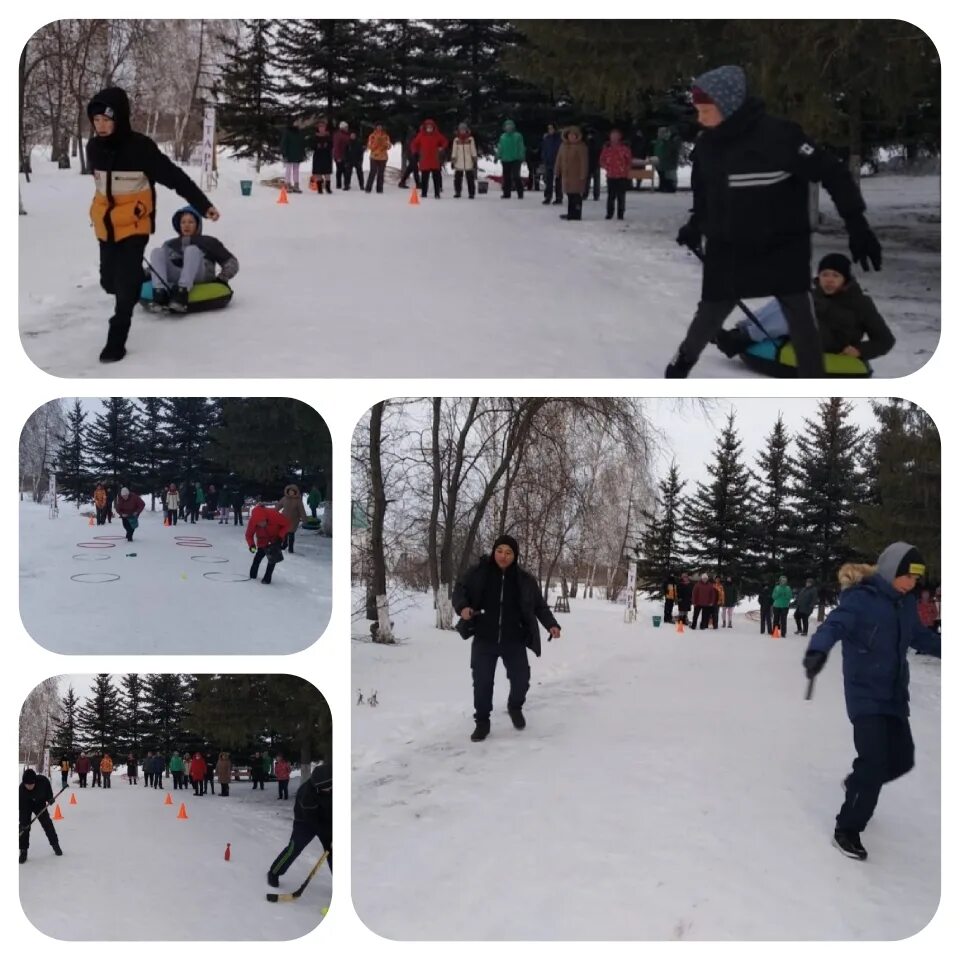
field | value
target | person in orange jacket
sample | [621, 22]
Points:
[100, 503]
[378, 143]
[428, 145]
[198, 772]
[106, 768]
[266, 531]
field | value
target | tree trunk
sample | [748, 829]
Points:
[384, 632]
[379, 585]
[437, 480]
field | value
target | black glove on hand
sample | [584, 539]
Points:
[689, 236]
[813, 662]
[864, 246]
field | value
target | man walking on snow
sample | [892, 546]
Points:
[751, 178]
[312, 817]
[36, 795]
[505, 602]
[876, 620]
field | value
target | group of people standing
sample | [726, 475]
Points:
[708, 596]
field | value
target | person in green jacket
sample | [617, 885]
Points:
[666, 150]
[293, 150]
[313, 500]
[199, 498]
[511, 153]
[176, 770]
[782, 597]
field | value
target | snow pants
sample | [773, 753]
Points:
[196, 267]
[48, 828]
[377, 170]
[617, 196]
[512, 178]
[884, 752]
[780, 620]
[483, 664]
[668, 611]
[301, 836]
[766, 620]
[801, 323]
[458, 176]
[121, 275]
[425, 179]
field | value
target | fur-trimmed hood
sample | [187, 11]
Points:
[852, 573]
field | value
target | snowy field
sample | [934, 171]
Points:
[528, 293]
[131, 870]
[168, 598]
[667, 787]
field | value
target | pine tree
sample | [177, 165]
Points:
[187, 423]
[98, 719]
[113, 441]
[717, 517]
[73, 477]
[164, 704]
[828, 488]
[133, 717]
[660, 544]
[250, 114]
[773, 530]
[152, 454]
[66, 737]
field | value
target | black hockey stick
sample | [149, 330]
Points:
[750, 314]
[24, 829]
[278, 897]
[152, 269]
[810, 684]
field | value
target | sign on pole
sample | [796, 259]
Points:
[209, 177]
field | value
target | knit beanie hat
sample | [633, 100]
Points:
[29, 776]
[837, 262]
[507, 541]
[726, 87]
[899, 559]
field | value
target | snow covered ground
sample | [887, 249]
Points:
[168, 598]
[131, 870]
[667, 787]
[528, 293]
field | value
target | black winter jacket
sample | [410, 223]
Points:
[211, 248]
[523, 604]
[35, 800]
[314, 806]
[684, 594]
[750, 179]
[766, 598]
[807, 600]
[848, 318]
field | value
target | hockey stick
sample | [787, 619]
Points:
[810, 684]
[24, 829]
[152, 269]
[278, 897]
[750, 314]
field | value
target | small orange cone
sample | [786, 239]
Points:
[679, 626]
[182, 812]
[168, 801]
[73, 799]
[91, 523]
[226, 853]
[57, 815]
[283, 196]
[776, 633]
[414, 197]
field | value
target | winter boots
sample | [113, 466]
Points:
[56, 849]
[519, 721]
[115, 348]
[178, 300]
[272, 879]
[481, 731]
[23, 856]
[678, 368]
[848, 843]
[161, 296]
[732, 342]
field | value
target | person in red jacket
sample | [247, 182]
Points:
[341, 140]
[428, 144]
[281, 770]
[617, 159]
[129, 506]
[83, 768]
[266, 531]
[704, 599]
[198, 773]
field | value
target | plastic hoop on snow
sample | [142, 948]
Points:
[197, 546]
[96, 546]
[95, 577]
[90, 556]
[221, 577]
[111, 536]
[208, 559]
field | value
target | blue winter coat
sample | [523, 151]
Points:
[550, 147]
[875, 624]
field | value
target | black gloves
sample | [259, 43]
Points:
[864, 246]
[813, 662]
[689, 236]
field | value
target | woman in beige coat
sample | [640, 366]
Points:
[224, 769]
[291, 506]
[572, 166]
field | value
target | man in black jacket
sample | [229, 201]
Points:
[505, 603]
[312, 817]
[36, 795]
[765, 596]
[751, 178]
[684, 597]
[126, 166]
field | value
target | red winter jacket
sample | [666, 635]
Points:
[704, 594]
[341, 140]
[281, 769]
[83, 765]
[198, 768]
[278, 526]
[131, 506]
[427, 146]
[616, 159]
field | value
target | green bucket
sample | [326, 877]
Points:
[656, 621]
[246, 187]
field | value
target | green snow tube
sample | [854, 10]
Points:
[204, 296]
[777, 358]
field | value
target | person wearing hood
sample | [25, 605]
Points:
[126, 167]
[354, 161]
[293, 151]
[188, 259]
[549, 148]
[378, 143]
[874, 622]
[291, 506]
[499, 603]
[428, 145]
[806, 601]
[266, 532]
[511, 152]
[572, 165]
[341, 140]
[312, 818]
[751, 179]
[100, 504]
[666, 153]
[847, 319]
[463, 159]
[35, 796]
[314, 498]
[129, 506]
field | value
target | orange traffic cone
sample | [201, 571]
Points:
[90, 523]
[679, 626]
[283, 195]
[182, 812]
[57, 815]
[414, 197]
[73, 799]
[168, 801]
[776, 633]
[226, 853]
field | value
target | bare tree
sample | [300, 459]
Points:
[384, 634]
[38, 717]
[39, 439]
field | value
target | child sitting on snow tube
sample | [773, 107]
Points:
[187, 260]
[847, 318]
